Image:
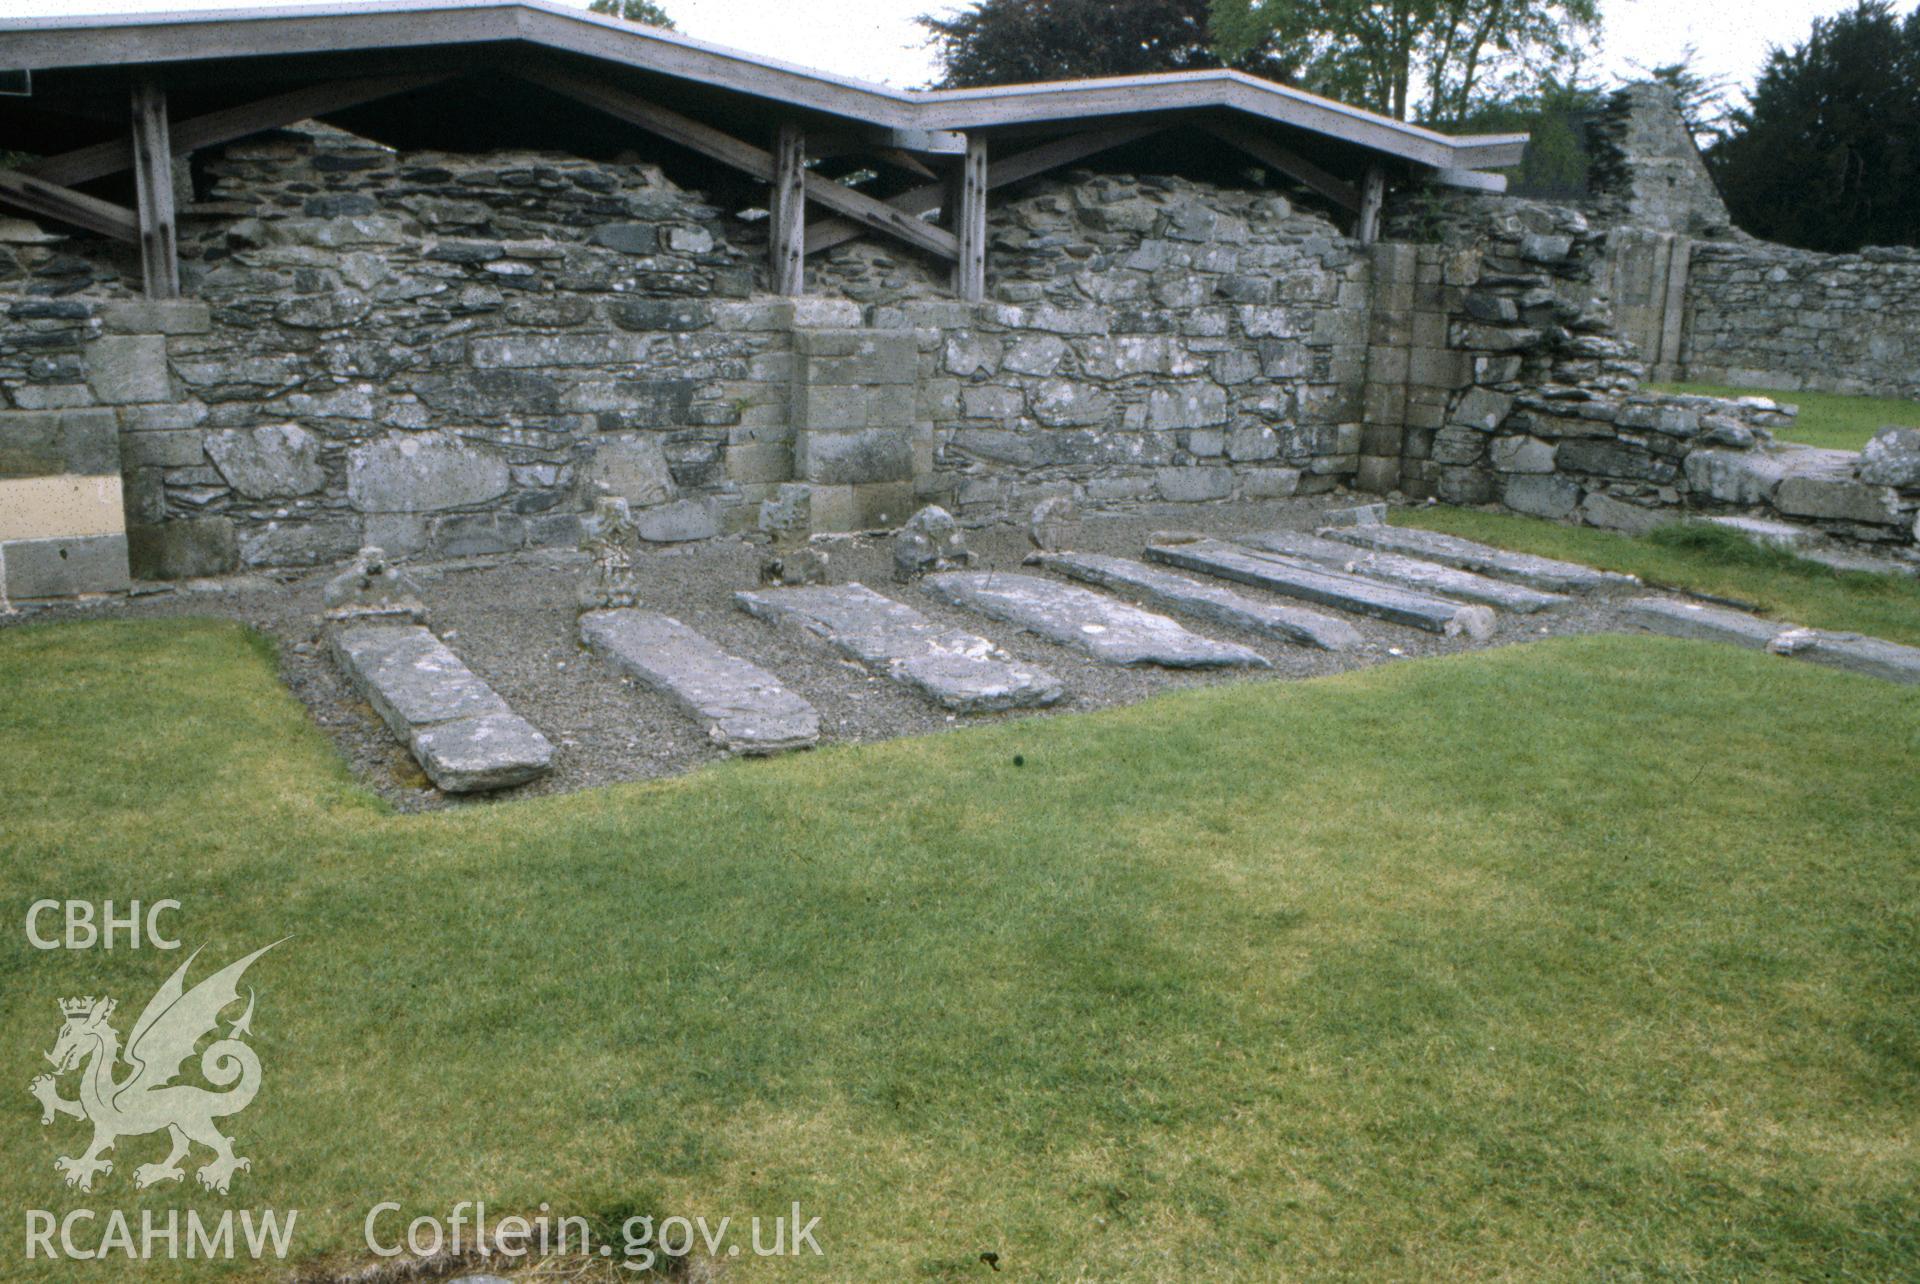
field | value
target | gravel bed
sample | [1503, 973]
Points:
[512, 621]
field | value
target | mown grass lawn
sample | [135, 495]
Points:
[1699, 558]
[1592, 958]
[1826, 418]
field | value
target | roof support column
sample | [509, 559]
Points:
[967, 213]
[787, 212]
[1373, 201]
[153, 180]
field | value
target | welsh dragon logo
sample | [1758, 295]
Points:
[145, 1099]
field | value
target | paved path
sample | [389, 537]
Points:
[744, 707]
[953, 668]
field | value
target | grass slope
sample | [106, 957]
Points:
[1594, 958]
[1698, 558]
[1826, 419]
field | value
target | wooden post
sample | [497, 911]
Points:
[1373, 199]
[787, 212]
[153, 180]
[968, 212]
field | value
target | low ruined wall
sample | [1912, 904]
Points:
[1555, 422]
[1766, 316]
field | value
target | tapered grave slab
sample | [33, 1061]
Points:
[1292, 578]
[1873, 657]
[1216, 603]
[1407, 572]
[1702, 623]
[1109, 630]
[1522, 568]
[955, 669]
[745, 709]
[456, 726]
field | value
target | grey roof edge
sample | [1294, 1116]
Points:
[138, 39]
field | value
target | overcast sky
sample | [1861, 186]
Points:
[878, 40]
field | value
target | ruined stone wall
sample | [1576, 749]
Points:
[1153, 339]
[1766, 316]
[447, 355]
[1702, 301]
[1557, 423]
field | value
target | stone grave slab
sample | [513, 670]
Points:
[1702, 623]
[1873, 657]
[1407, 572]
[458, 728]
[745, 709]
[1202, 600]
[1109, 630]
[1293, 578]
[953, 668]
[1468, 555]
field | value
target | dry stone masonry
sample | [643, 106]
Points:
[454, 355]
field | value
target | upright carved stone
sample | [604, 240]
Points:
[612, 539]
[373, 590]
[1054, 526]
[930, 541]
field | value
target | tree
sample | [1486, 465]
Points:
[1007, 42]
[644, 12]
[1827, 156]
[1434, 58]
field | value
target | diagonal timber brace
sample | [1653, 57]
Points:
[756, 163]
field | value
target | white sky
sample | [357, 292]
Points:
[877, 39]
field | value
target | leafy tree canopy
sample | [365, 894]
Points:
[1007, 42]
[1827, 156]
[645, 12]
[1435, 59]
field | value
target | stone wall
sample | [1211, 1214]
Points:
[1155, 340]
[1766, 316]
[1702, 301]
[1556, 423]
[449, 355]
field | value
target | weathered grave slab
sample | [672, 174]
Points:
[1702, 623]
[951, 667]
[1109, 630]
[1873, 657]
[1213, 602]
[745, 709]
[1408, 572]
[1292, 578]
[1450, 550]
[493, 751]
[458, 728]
